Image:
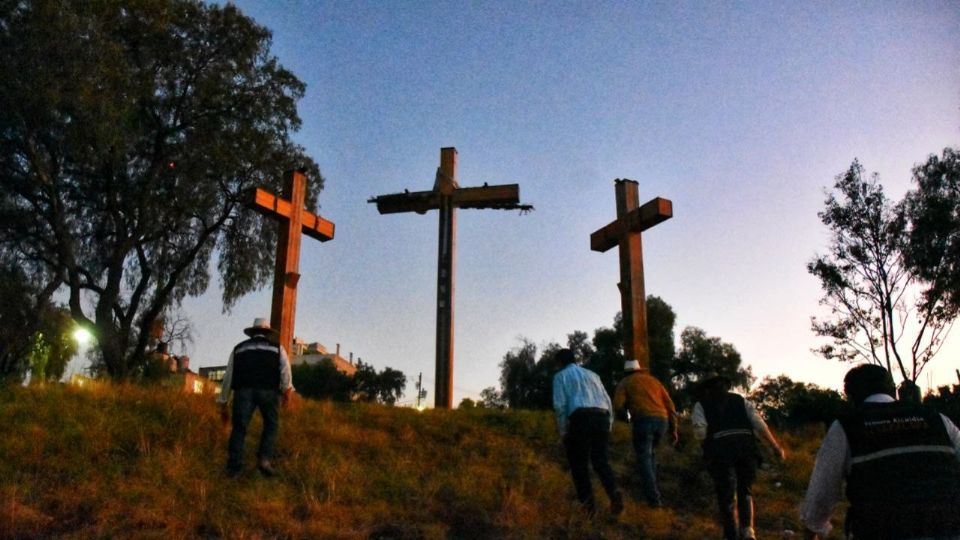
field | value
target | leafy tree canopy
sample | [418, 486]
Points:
[322, 381]
[129, 133]
[701, 355]
[385, 386]
[876, 311]
[32, 329]
[526, 378]
[932, 212]
[785, 403]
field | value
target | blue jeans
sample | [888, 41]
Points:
[245, 401]
[647, 432]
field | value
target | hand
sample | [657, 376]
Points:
[285, 397]
[674, 438]
[780, 452]
[224, 414]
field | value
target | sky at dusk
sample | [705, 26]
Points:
[740, 113]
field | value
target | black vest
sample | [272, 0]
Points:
[256, 365]
[729, 431]
[904, 479]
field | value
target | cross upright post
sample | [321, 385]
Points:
[625, 233]
[446, 184]
[293, 219]
[446, 197]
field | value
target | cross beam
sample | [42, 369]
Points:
[446, 196]
[293, 220]
[625, 233]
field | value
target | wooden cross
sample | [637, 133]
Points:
[625, 232]
[293, 219]
[446, 196]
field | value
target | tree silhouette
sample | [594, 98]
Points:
[129, 134]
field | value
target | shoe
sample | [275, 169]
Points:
[746, 533]
[616, 504]
[266, 469]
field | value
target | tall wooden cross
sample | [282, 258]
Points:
[446, 196]
[294, 219]
[625, 232]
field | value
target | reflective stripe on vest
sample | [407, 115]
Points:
[256, 346]
[902, 450]
[732, 432]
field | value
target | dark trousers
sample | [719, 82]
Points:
[588, 435]
[245, 401]
[734, 477]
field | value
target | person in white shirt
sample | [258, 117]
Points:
[728, 424]
[901, 463]
[259, 377]
[584, 419]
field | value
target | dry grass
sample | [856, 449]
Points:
[129, 462]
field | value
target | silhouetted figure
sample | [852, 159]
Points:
[909, 392]
[584, 419]
[900, 462]
[652, 414]
[728, 425]
[258, 374]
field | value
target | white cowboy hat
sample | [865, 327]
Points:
[632, 365]
[260, 327]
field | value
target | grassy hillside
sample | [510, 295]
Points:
[129, 462]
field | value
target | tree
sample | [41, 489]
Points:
[526, 383]
[34, 333]
[383, 387]
[867, 286]
[491, 399]
[660, 322]
[322, 381]
[607, 358]
[129, 134]
[785, 403]
[932, 213]
[467, 403]
[701, 355]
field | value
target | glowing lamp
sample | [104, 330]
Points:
[82, 335]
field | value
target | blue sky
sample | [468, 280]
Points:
[740, 113]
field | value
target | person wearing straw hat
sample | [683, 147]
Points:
[652, 415]
[258, 375]
[584, 419]
[728, 425]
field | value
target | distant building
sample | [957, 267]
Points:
[213, 373]
[314, 353]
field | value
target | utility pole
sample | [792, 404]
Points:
[419, 388]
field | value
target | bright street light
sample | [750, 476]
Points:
[82, 335]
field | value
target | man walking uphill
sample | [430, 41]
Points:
[258, 373]
[899, 460]
[652, 414]
[584, 418]
[728, 425]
